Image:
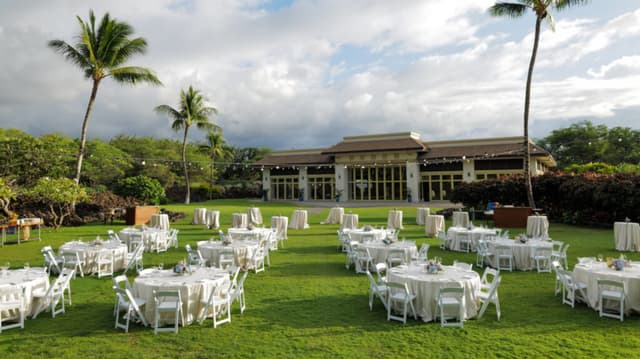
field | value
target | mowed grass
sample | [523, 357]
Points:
[308, 305]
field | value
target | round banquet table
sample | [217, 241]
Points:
[537, 227]
[239, 220]
[379, 251]
[361, 235]
[89, 253]
[395, 219]
[627, 236]
[349, 221]
[299, 219]
[421, 216]
[460, 219]
[199, 216]
[280, 225]
[253, 234]
[426, 286]
[242, 251]
[195, 288]
[151, 237]
[476, 233]
[160, 221]
[589, 274]
[32, 280]
[212, 219]
[254, 216]
[521, 252]
[433, 224]
[335, 216]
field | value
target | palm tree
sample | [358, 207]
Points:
[193, 111]
[215, 148]
[541, 9]
[102, 53]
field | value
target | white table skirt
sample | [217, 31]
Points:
[380, 251]
[394, 220]
[151, 237]
[433, 224]
[89, 253]
[280, 224]
[460, 219]
[254, 216]
[212, 219]
[160, 221]
[35, 280]
[199, 216]
[253, 234]
[360, 235]
[299, 220]
[629, 276]
[335, 216]
[421, 216]
[239, 220]
[242, 251]
[521, 252]
[537, 227]
[195, 289]
[627, 236]
[426, 287]
[477, 233]
[349, 221]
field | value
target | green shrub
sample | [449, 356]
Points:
[142, 188]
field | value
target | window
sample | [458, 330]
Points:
[378, 183]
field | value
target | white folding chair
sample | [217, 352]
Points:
[483, 252]
[105, 263]
[423, 254]
[113, 236]
[219, 305]
[54, 295]
[226, 258]
[490, 296]
[135, 259]
[265, 252]
[399, 292]
[464, 241]
[237, 292]
[74, 261]
[542, 257]
[573, 290]
[130, 305]
[363, 259]
[167, 301]
[381, 270]
[451, 298]
[52, 262]
[378, 289]
[12, 299]
[504, 257]
[488, 277]
[194, 257]
[135, 239]
[558, 287]
[395, 257]
[462, 265]
[613, 291]
[443, 240]
[172, 239]
[257, 260]
[351, 254]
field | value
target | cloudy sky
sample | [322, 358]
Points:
[304, 73]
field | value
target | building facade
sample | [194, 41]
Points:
[393, 167]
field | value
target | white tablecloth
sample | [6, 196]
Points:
[89, 253]
[476, 234]
[239, 220]
[160, 221]
[379, 251]
[212, 219]
[421, 216]
[254, 216]
[521, 252]
[460, 219]
[150, 236]
[627, 236]
[395, 219]
[349, 221]
[361, 235]
[280, 224]
[194, 289]
[426, 286]
[299, 219]
[244, 233]
[199, 216]
[32, 280]
[335, 216]
[242, 251]
[630, 276]
[537, 226]
[433, 224]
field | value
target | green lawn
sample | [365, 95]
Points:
[308, 305]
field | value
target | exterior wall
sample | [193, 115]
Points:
[302, 180]
[468, 171]
[413, 181]
[266, 182]
[342, 183]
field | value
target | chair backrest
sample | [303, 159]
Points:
[503, 250]
[240, 285]
[372, 281]
[608, 284]
[424, 251]
[395, 287]
[380, 269]
[442, 235]
[167, 295]
[453, 292]
[563, 254]
[126, 296]
[489, 275]
[542, 252]
[122, 282]
[462, 265]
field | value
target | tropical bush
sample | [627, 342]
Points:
[143, 188]
[58, 196]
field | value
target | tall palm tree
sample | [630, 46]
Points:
[102, 53]
[541, 9]
[216, 148]
[192, 111]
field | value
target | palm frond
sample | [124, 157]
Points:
[127, 50]
[134, 74]
[70, 53]
[562, 4]
[169, 111]
[509, 9]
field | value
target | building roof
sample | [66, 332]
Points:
[293, 158]
[478, 150]
[376, 145]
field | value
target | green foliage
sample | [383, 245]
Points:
[105, 163]
[58, 195]
[7, 194]
[598, 167]
[242, 157]
[143, 188]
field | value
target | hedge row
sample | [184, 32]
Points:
[591, 199]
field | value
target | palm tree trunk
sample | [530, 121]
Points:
[85, 124]
[187, 198]
[527, 100]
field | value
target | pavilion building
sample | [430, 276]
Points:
[394, 167]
